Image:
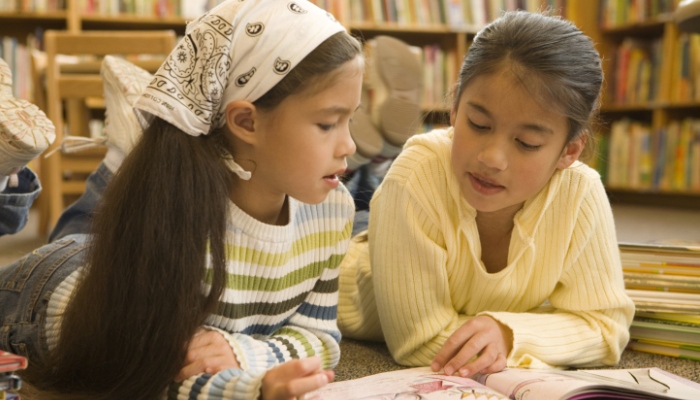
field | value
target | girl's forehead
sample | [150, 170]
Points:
[507, 84]
[348, 72]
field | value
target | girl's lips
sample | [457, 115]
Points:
[332, 180]
[483, 186]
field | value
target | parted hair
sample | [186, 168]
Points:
[550, 56]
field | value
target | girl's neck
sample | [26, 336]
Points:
[268, 210]
[500, 220]
[495, 231]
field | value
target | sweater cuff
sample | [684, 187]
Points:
[235, 347]
[250, 354]
[249, 385]
[524, 338]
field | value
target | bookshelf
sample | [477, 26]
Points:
[650, 105]
[449, 26]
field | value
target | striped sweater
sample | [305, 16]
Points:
[421, 274]
[280, 300]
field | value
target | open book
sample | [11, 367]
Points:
[422, 383]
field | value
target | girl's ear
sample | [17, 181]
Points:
[571, 152]
[240, 120]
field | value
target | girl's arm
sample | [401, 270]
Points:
[411, 284]
[309, 332]
[588, 322]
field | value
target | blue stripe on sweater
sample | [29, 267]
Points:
[326, 313]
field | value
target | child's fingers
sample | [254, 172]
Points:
[300, 386]
[449, 354]
[204, 338]
[467, 353]
[295, 378]
[490, 360]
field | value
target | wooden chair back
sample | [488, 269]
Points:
[74, 93]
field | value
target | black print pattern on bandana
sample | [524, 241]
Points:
[282, 66]
[296, 8]
[244, 78]
[204, 51]
[254, 29]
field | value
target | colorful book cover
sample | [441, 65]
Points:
[11, 362]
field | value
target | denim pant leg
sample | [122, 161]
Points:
[15, 202]
[361, 222]
[78, 216]
[25, 288]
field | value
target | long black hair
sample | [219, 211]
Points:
[125, 332]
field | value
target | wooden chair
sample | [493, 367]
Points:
[73, 92]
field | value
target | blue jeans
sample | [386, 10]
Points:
[27, 284]
[25, 289]
[15, 202]
[78, 216]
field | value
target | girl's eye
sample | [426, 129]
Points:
[326, 127]
[527, 146]
[477, 127]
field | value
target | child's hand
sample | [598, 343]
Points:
[294, 379]
[209, 352]
[482, 337]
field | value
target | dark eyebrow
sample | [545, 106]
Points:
[338, 110]
[531, 127]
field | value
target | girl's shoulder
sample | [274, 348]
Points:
[580, 173]
[423, 152]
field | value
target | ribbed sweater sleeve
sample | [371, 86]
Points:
[408, 255]
[588, 322]
[281, 296]
[426, 277]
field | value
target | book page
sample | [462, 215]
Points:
[655, 380]
[647, 383]
[413, 383]
[528, 384]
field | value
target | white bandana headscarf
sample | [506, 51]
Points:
[237, 51]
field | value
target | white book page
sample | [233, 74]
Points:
[413, 383]
[523, 384]
[528, 384]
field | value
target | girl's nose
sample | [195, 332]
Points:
[346, 146]
[493, 155]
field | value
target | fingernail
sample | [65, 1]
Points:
[448, 371]
[324, 378]
[464, 373]
[435, 367]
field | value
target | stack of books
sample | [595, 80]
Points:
[9, 382]
[664, 282]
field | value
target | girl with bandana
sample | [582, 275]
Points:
[211, 270]
[490, 245]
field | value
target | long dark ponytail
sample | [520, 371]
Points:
[125, 332]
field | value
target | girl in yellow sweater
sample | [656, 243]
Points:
[490, 245]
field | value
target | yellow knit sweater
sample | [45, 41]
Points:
[419, 277]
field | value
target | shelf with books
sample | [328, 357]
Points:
[57, 15]
[19, 24]
[125, 21]
[652, 91]
[448, 31]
